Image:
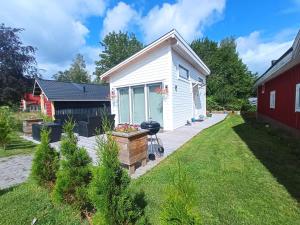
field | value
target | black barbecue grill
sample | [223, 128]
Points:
[153, 128]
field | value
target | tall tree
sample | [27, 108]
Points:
[77, 72]
[17, 65]
[230, 82]
[117, 47]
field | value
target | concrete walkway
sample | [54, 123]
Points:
[172, 140]
[16, 169]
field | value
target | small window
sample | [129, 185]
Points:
[297, 103]
[272, 99]
[183, 72]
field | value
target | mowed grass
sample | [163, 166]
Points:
[21, 204]
[16, 146]
[244, 173]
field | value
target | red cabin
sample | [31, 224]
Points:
[30, 103]
[278, 90]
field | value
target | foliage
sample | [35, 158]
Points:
[126, 128]
[230, 82]
[46, 161]
[45, 117]
[234, 165]
[247, 107]
[6, 126]
[17, 146]
[23, 203]
[77, 72]
[17, 65]
[109, 188]
[74, 173]
[179, 207]
[117, 47]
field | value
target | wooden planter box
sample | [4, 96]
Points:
[27, 125]
[133, 148]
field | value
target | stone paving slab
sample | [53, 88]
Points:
[16, 169]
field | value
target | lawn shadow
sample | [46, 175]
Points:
[278, 151]
[9, 189]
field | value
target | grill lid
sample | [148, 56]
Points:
[151, 125]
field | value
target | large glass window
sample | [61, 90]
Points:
[138, 105]
[297, 103]
[183, 72]
[124, 115]
[155, 103]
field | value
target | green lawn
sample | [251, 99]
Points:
[20, 205]
[17, 146]
[244, 173]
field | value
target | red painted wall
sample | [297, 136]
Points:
[285, 87]
[30, 97]
[47, 105]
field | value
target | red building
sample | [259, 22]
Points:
[30, 103]
[278, 90]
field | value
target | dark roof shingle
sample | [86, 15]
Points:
[68, 91]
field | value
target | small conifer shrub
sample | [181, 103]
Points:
[74, 173]
[46, 161]
[109, 189]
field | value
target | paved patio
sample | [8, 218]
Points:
[16, 169]
[170, 140]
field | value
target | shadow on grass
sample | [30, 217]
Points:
[19, 143]
[277, 151]
[9, 189]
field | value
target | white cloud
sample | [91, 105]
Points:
[55, 27]
[189, 17]
[257, 53]
[119, 18]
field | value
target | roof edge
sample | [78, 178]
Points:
[281, 62]
[171, 34]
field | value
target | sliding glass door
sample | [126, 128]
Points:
[124, 114]
[138, 105]
[155, 103]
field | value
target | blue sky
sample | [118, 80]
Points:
[60, 29]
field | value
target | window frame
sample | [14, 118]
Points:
[297, 98]
[272, 104]
[188, 72]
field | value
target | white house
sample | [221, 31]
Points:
[165, 82]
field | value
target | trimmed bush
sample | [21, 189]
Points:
[46, 161]
[179, 206]
[6, 126]
[109, 192]
[74, 173]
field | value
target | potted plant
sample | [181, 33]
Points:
[133, 145]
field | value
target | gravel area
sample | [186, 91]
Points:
[14, 170]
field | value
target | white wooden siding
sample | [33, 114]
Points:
[183, 97]
[155, 67]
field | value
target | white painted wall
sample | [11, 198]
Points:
[152, 68]
[161, 65]
[183, 104]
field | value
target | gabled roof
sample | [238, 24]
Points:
[68, 91]
[289, 59]
[176, 40]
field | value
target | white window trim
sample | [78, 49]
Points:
[272, 104]
[182, 78]
[297, 107]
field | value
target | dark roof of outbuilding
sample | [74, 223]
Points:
[68, 91]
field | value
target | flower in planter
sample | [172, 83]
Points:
[127, 128]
